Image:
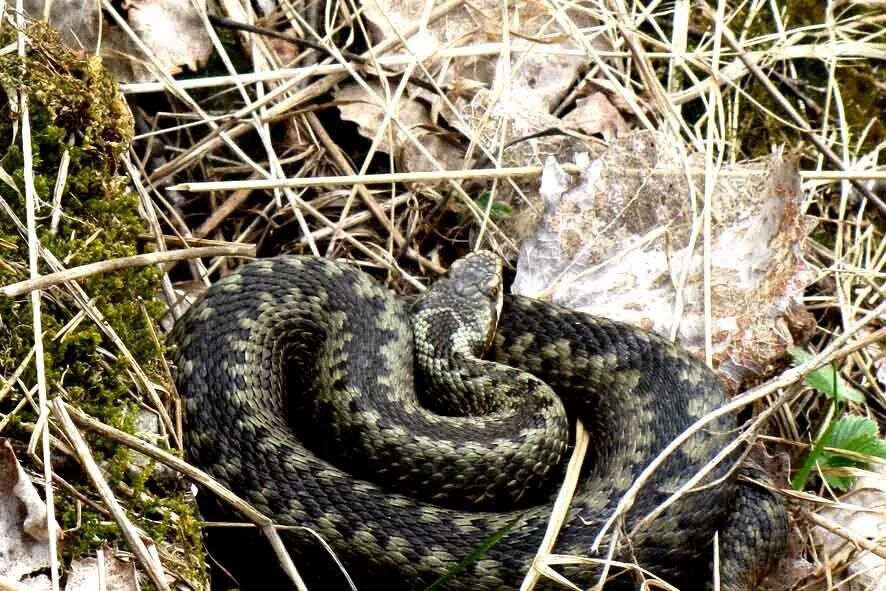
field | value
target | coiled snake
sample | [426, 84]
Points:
[298, 387]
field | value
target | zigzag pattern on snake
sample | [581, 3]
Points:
[286, 338]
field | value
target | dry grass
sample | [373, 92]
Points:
[250, 161]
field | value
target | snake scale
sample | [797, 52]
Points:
[299, 395]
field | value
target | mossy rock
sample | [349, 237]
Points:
[74, 107]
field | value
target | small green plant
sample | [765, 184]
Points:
[859, 435]
[827, 379]
[850, 433]
[497, 211]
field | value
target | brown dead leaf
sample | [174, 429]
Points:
[413, 114]
[23, 529]
[118, 575]
[596, 114]
[617, 244]
[538, 73]
[172, 30]
[863, 513]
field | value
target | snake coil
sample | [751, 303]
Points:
[299, 395]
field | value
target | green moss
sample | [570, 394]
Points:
[93, 532]
[75, 106]
[855, 80]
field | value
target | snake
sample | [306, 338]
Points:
[418, 436]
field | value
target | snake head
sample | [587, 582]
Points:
[478, 279]
[478, 273]
[467, 301]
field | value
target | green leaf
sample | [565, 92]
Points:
[854, 434]
[826, 379]
[840, 483]
[857, 434]
[497, 211]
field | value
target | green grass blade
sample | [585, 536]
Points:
[476, 554]
[799, 480]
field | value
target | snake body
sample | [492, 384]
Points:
[288, 338]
